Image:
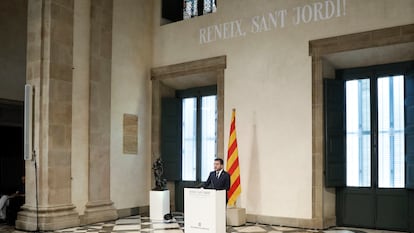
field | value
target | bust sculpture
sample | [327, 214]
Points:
[158, 169]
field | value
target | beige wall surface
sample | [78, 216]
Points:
[13, 35]
[268, 81]
[130, 93]
[131, 63]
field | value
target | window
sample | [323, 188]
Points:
[192, 8]
[177, 10]
[209, 6]
[208, 134]
[369, 154]
[189, 143]
[199, 133]
[358, 133]
[391, 132]
[375, 131]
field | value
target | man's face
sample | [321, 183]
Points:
[217, 166]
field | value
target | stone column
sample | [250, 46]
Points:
[323, 199]
[100, 207]
[49, 70]
[80, 105]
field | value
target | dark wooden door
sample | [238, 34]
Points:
[371, 205]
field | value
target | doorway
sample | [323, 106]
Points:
[363, 49]
[368, 127]
[189, 131]
[174, 83]
[11, 144]
[12, 166]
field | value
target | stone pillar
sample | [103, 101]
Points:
[323, 199]
[80, 105]
[49, 70]
[317, 143]
[100, 207]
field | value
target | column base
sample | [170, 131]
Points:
[50, 218]
[99, 212]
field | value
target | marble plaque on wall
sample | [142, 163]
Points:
[130, 137]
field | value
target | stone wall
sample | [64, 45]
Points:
[13, 49]
[49, 70]
[269, 81]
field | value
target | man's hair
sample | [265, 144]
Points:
[220, 160]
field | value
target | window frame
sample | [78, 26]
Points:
[197, 92]
[370, 132]
[373, 73]
[173, 11]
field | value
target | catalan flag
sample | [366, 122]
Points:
[233, 167]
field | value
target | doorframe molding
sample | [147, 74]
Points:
[215, 65]
[317, 49]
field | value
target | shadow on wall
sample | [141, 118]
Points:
[253, 192]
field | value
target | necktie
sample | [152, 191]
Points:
[217, 174]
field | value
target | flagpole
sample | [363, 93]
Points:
[235, 202]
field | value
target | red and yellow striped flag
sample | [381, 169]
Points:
[233, 167]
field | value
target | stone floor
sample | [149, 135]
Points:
[137, 224]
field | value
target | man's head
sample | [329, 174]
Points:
[218, 164]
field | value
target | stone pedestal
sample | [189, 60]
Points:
[159, 204]
[236, 216]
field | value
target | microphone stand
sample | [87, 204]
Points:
[37, 193]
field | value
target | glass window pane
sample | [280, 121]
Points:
[189, 129]
[208, 134]
[391, 132]
[190, 9]
[209, 6]
[358, 133]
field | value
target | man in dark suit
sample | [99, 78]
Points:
[218, 179]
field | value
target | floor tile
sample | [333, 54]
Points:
[126, 227]
[138, 224]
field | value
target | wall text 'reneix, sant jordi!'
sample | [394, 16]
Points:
[276, 19]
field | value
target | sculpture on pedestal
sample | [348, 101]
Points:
[158, 169]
